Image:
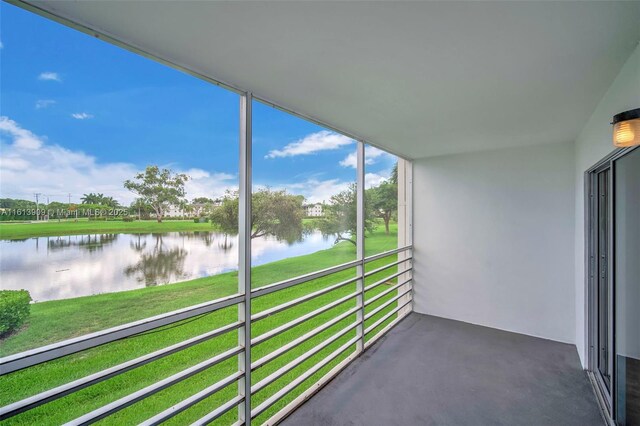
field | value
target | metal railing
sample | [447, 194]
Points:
[378, 310]
[399, 293]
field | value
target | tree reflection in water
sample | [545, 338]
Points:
[90, 243]
[225, 244]
[207, 238]
[53, 268]
[160, 265]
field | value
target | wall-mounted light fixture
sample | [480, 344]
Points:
[626, 128]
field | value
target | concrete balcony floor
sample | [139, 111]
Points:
[435, 371]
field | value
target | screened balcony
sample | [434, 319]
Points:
[431, 370]
[369, 213]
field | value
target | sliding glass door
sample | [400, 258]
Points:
[601, 288]
[603, 296]
[613, 189]
[627, 286]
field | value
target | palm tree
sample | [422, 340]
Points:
[91, 198]
[101, 199]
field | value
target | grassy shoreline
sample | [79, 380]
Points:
[56, 320]
[15, 231]
[22, 230]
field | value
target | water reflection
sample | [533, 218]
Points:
[79, 265]
[160, 265]
[93, 242]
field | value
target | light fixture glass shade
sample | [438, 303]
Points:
[626, 129]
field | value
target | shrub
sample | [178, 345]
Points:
[127, 219]
[14, 309]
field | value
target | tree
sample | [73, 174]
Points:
[91, 198]
[341, 216]
[110, 202]
[226, 214]
[278, 214]
[384, 201]
[273, 213]
[394, 174]
[100, 199]
[202, 200]
[159, 188]
[141, 209]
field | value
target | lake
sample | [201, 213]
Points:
[54, 268]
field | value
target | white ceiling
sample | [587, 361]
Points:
[419, 78]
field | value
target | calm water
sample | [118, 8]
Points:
[79, 265]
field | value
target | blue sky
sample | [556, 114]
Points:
[80, 115]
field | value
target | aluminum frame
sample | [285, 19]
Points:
[193, 400]
[242, 299]
[296, 342]
[240, 350]
[47, 353]
[63, 390]
[244, 257]
[156, 387]
[360, 165]
[606, 398]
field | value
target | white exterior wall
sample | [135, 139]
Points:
[494, 239]
[593, 144]
[492, 229]
[314, 210]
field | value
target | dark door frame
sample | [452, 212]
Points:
[606, 394]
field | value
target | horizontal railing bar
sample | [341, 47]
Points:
[311, 390]
[219, 412]
[192, 400]
[284, 327]
[60, 391]
[294, 343]
[67, 347]
[384, 331]
[385, 304]
[385, 279]
[301, 378]
[302, 279]
[294, 302]
[387, 291]
[299, 360]
[386, 317]
[130, 399]
[385, 254]
[387, 266]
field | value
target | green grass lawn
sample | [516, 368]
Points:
[16, 231]
[56, 320]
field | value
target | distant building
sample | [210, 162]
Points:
[192, 210]
[314, 210]
[174, 211]
[201, 209]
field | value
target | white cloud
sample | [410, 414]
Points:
[29, 164]
[22, 138]
[210, 185]
[370, 155]
[373, 179]
[44, 103]
[314, 190]
[49, 76]
[320, 141]
[81, 116]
